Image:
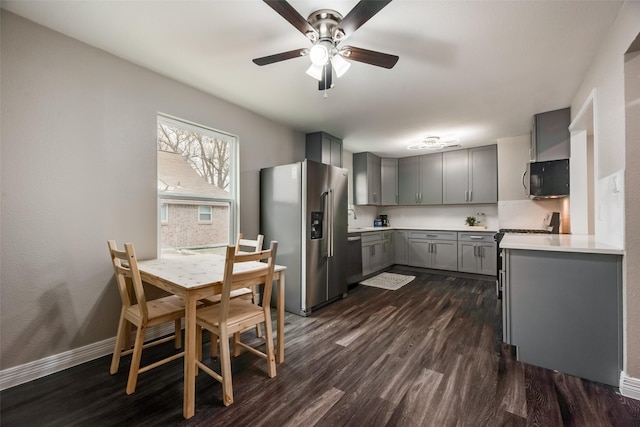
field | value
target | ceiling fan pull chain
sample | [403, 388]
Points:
[325, 96]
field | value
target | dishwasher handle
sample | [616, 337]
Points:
[353, 238]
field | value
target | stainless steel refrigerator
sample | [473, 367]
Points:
[304, 207]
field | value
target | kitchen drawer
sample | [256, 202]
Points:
[468, 236]
[375, 236]
[433, 235]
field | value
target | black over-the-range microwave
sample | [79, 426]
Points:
[548, 179]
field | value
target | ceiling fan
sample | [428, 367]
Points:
[326, 28]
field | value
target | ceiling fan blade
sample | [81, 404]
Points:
[265, 60]
[369, 56]
[361, 13]
[327, 78]
[287, 11]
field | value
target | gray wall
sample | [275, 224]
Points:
[606, 76]
[78, 168]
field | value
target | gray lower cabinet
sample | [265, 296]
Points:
[433, 249]
[401, 243]
[563, 311]
[388, 248]
[470, 176]
[477, 253]
[372, 251]
[420, 180]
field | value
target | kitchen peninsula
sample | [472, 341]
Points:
[562, 303]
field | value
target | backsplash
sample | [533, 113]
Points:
[527, 214]
[451, 216]
[530, 214]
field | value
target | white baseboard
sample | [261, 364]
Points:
[629, 386]
[40, 368]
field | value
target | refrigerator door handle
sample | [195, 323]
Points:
[330, 213]
[325, 226]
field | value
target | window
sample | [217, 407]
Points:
[164, 213]
[197, 183]
[204, 214]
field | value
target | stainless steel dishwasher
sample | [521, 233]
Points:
[354, 255]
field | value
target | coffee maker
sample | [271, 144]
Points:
[385, 220]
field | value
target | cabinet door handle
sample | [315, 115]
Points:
[475, 251]
[417, 198]
[420, 197]
[470, 195]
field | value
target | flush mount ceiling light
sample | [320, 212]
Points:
[433, 143]
[325, 28]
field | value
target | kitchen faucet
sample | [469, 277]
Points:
[354, 213]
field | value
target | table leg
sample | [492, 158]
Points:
[188, 409]
[280, 320]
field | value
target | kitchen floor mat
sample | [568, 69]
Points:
[390, 281]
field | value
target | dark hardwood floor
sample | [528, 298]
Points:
[428, 354]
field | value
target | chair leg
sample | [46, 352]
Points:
[255, 301]
[198, 345]
[236, 347]
[135, 359]
[127, 335]
[214, 345]
[268, 332]
[120, 339]
[225, 369]
[178, 334]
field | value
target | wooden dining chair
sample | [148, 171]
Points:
[141, 313]
[242, 246]
[232, 316]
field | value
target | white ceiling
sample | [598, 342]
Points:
[474, 70]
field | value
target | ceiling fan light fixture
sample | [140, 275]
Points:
[320, 53]
[433, 143]
[315, 71]
[340, 64]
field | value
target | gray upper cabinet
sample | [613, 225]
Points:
[550, 137]
[389, 181]
[420, 180]
[470, 176]
[324, 148]
[366, 179]
[455, 180]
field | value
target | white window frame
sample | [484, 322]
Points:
[164, 213]
[233, 199]
[209, 213]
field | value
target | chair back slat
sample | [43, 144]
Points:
[248, 245]
[126, 270]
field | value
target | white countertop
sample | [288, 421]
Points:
[462, 228]
[559, 243]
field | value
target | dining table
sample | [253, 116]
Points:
[198, 276]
